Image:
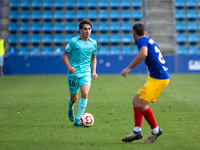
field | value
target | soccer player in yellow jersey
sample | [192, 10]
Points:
[2, 52]
[149, 92]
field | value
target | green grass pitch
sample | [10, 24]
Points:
[33, 114]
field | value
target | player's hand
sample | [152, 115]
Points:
[125, 71]
[71, 70]
[94, 75]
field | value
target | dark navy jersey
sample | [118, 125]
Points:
[154, 60]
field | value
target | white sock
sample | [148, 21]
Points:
[155, 130]
[137, 129]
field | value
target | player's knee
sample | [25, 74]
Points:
[84, 94]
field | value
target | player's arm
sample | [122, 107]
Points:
[138, 59]
[94, 65]
[66, 62]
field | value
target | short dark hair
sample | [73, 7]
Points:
[85, 21]
[139, 28]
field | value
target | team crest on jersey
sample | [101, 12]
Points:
[67, 46]
[90, 49]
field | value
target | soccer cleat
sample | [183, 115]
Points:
[133, 136]
[77, 122]
[71, 115]
[153, 137]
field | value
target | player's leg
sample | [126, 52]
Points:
[151, 92]
[1, 65]
[84, 83]
[72, 100]
[138, 118]
[73, 89]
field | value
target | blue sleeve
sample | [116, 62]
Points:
[69, 47]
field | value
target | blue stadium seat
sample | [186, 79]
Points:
[36, 15]
[69, 15]
[35, 38]
[81, 3]
[92, 3]
[180, 26]
[23, 50]
[103, 3]
[25, 15]
[58, 38]
[191, 3]
[115, 50]
[58, 4]
[14, 3]
[114, 3]
[126, 38]
[68, 36]
[25, 3]
[80, 14]
[125, 3]
[137, 14]
[58, 26]
[181, 38]
[13, 15]
[47, 38]
[13, 27]
[114, 26]
[192, 26]
[12, 38]
[92, 14]
[126, 26]
[24, 39]
[103, 50]
[182, 50]
[103, 38]
[103, 14]
[35, 51]
[47, 15]
[115, 38]
[135, 50]
[94, 28]
[94, 36]
[103, 26]
[47, 3]
[36, 3]
[24, 27]
[114, 14]
[12, 50]
[46, 50]
[193, 50]
[198, 12]
[137, 3]
[192, 37]
[180, 14]
[70, 3]
[36, 27]
[70, 26]
[126, 14]
[198, 3]
[47, 27]
[126, 50]
[58, 15]
[58, 50]
[179, 3]
[191, 14]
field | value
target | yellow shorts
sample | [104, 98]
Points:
[151, 90]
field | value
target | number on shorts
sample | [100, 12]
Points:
[71, 83]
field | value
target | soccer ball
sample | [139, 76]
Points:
[87, 120]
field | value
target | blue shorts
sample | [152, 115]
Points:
[75, 83]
